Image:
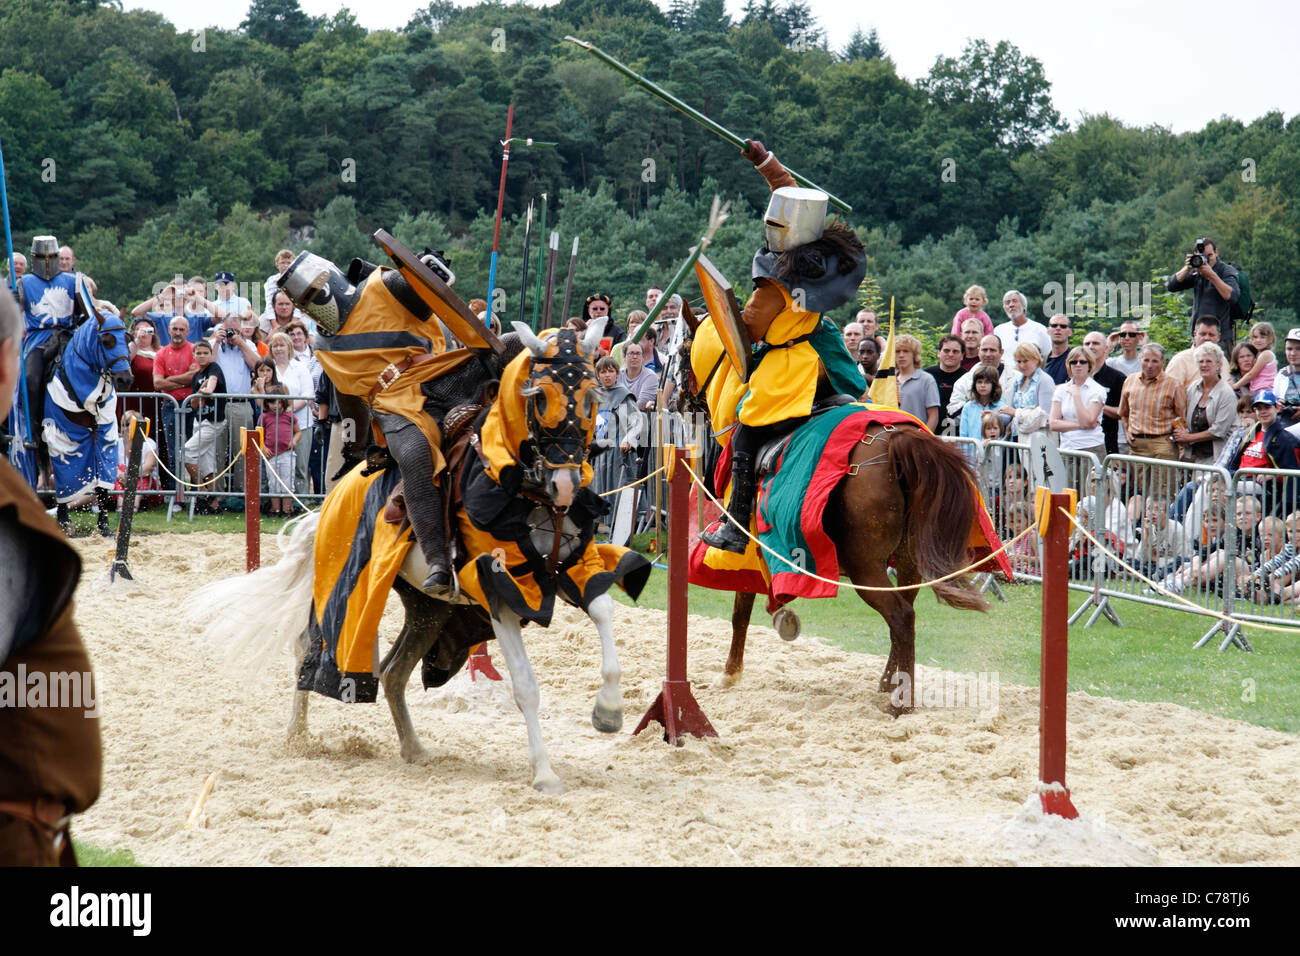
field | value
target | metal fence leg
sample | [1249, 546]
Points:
[1104, 608]
[1205, 637]
[988, 582]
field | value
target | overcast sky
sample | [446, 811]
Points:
[1140, 62]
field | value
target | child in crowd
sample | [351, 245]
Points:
[1214, 524]
[264, 376]
[148, 462]
[989, 459]
[975, 299]
[1275, 581]
[1015, 491]
[1162, 542]
[1024, 552]
[1264, 368]
[281, 434]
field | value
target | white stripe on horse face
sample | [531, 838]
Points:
[564, 481]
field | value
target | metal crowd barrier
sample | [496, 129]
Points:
[173, 424]
[1195, 530]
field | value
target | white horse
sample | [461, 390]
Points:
[276, 612]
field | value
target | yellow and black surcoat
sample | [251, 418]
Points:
[381, 331]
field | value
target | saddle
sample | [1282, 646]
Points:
[769, 453]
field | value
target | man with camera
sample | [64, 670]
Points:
[1287, 384]
[236, 356]
[1214, 287]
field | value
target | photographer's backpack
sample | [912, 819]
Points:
[1244, 307]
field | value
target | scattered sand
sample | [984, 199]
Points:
[806, 769]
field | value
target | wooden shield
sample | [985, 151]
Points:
[446, 304]
[721, 302]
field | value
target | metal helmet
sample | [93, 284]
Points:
[45, 257]
[318, 288]
[794, 216]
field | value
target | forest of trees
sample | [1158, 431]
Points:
[153, 152]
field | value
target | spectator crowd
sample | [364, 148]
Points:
[201, 346]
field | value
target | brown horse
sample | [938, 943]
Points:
[913, 503]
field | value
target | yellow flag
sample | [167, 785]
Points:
[884, 387]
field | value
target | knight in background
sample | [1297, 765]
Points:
[49, 302]
[805, 268]
[384, 350]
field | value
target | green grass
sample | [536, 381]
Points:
[154, 521]
[1149, 659]
[88, 855]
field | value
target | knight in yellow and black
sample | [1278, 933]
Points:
[806, 267]
[381, 343]
[529, 515]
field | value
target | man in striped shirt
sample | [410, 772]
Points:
[1150, 404]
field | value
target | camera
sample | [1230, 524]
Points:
[1199, 258]
[230, 334]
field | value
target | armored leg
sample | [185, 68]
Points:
[410, 449]
[745, 445]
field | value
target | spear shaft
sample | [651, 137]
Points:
[716, 128]
[568, 283]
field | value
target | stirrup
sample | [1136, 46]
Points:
[442, 583]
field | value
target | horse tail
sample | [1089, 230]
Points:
[940, 492]
[254, 617]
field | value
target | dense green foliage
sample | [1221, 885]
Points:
[153, 151]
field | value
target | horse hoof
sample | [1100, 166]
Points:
[786, 623]
[605, 720]
[416, 755]
[730, 680]
[550, 786]
[888, 707]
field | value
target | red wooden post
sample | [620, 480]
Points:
[675, 707]
[251, 441]
[480, 662]
[1055, 654]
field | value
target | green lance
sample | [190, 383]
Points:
[717, 216]
[675, 103]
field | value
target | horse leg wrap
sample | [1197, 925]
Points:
[102, 499]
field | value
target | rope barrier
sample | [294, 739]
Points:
[657, 471]
[857, 587]
[213, 480]
[272, 472]
[1191, 606]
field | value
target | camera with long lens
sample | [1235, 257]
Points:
[1199, 258]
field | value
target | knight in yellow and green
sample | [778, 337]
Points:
[805, 268]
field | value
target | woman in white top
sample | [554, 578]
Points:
[1031, 392]
[1076, 407]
